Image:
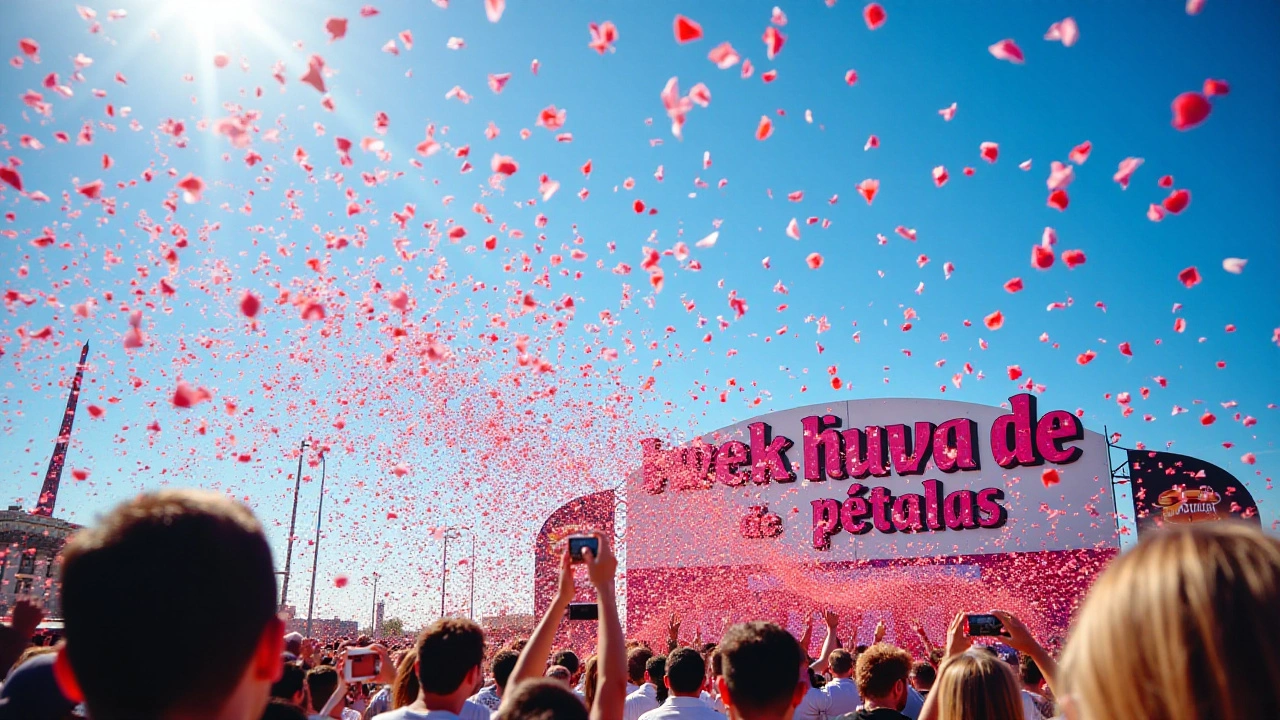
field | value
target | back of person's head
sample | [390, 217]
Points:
[761, 670]
[322, 680]
[31, 691]
[541, 699]
[1028, 672]
[590, 676]
[636, 659]
[449, 649]
[685, 671]
[293, 643]
[279, 709]
[503, 663]
[881, 674]
[840, 662]
[404, 690]
[559, 672]
[1188, 616]
[290, 682]
[714, 662]
[656, 669]
[176, 559]
[568, 660]
[976, 685]
[923, 675]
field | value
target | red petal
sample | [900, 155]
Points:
[686, 30]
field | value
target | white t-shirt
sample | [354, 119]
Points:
[682, 707]
[640, 702]
[470, 711]
[347, 714]
[1030, 707]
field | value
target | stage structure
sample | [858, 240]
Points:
[31, 542]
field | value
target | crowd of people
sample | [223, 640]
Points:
[1182, 626]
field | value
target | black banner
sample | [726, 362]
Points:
[1173, 488]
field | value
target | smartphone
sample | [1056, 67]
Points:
[584, 611]
[579, 542]
[985, 625]
[362, 664]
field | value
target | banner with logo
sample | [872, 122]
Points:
[1173, 488]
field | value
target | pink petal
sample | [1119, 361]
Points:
[1007, 50]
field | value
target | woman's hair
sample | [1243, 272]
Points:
[590, 677]
[1182, 626]
[405, 689]
[974, 685]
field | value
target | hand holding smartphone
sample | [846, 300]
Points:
[362, 664]
[985, 626]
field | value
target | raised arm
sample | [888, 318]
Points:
[831, 642]
[611, 687]
[673, 633]
[924, 639]
[807, 637]
[1018, 637]
[534, 656]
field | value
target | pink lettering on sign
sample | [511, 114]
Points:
[770, 462]
[953, 445]
[876, 451]
[1018, 438]
[910, 512]
[864, 454]
[910, 457]
[823, 448]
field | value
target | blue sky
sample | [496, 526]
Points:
[1113, 89]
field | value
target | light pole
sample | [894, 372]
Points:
[449, 534]
[315, 558]
[293, 520]
[373, 611]
[472, 612]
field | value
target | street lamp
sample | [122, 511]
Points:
[450, 533]
[315, 558]
[293, 520]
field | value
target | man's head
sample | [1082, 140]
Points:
[293, 643]
[761, 664]
[561, 673]
[1029, 673]
[568, 660]
[290, 685]
[542, 699]
[881, 675]
[173, 559]
[840, 662]
[655, 670]
[685, 671]
[922, 676]
[636, 659]
[503, 663]
[450, 651]
[322, 680]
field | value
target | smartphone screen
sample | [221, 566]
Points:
[984, 625]
[584, 611]
[578, 542]
[363, 665]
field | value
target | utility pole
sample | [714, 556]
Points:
[373, 611]
[293, 521]
[449, 533]
[315, 558]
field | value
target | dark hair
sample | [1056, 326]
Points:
[542, 699]
[568, 660]
[925, 674]
[447, 650]
[1028, 672]
[761, 663]
[840, 661]
[205, 567]
[657, 669]
[503, 663]
[880, 668]
[685, 670]
[636, 659]
[280, 709]
[716, 661]
[290, 682]
[321, 682]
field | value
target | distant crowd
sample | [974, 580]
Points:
[1182, 626]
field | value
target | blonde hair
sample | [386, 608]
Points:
[977, 684]
[589, 678]
[404, 691]
[1183, 626]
